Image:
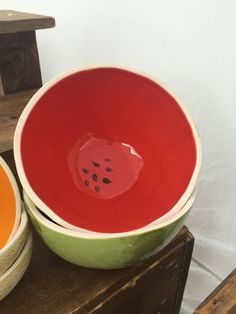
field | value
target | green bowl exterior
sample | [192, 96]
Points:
[110, 253]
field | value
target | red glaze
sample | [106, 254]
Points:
[108, 150]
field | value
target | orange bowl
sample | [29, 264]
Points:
[10, 204]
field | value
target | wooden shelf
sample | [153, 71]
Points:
[19, 58]
[14, 21]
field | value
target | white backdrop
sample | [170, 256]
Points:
[191, 46]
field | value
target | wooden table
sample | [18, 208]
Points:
[52, 285]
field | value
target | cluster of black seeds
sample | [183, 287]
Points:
[95, 177]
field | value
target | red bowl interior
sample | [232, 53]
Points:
[108, 150]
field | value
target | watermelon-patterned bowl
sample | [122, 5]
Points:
[106, 251]
[10, 205]
[107, 150]
[12, 249]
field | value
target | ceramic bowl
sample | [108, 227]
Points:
[12, 276]
[106, 149]
[10, 204]
[105, 251]
[12, 250]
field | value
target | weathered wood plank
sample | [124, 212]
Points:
[14, 21]
[152, 290]
[11, 107]
[19, 62]
[222, 300]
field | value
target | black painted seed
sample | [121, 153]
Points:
[96, 164]
[107, 159]
[94, 177]
[86, 182]
[108, 169]
[106, 180]
[97, 188]
[85, 170]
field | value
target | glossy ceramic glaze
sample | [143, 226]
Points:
[107, 150]
[105, 251]
[12, 276]
[11, 251]
[10, 204]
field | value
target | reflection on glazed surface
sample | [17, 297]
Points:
[104, 168]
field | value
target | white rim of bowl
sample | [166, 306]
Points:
[20, 230]
[17, 198]
[21, 122]
[27, 247]
[73, 233]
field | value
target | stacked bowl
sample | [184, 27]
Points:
[109, 160]
[15, 238]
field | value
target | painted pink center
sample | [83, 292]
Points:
[104, 169]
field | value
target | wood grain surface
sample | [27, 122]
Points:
[19, 62]
[14, 21]
[52, 285]
[11, 107]
[222, 300]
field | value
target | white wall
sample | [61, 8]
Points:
[191, 46]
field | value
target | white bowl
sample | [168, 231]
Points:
[11, 251]
[12, 276]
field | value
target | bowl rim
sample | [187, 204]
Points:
[26, 248]
[17, 199]
[20, 230]
[27, 110]
[102, 236]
